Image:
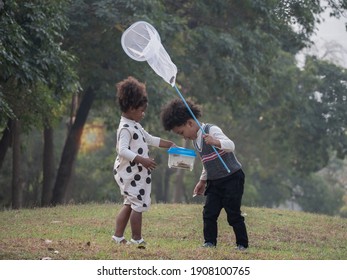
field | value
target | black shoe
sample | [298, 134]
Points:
[209, 245]
[241, 248]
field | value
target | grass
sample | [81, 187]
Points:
[172, 232]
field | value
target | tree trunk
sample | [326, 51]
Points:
[5, 141]
[48, 166]
[16, 172]
[71, 148]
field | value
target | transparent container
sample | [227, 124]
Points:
[181, 158]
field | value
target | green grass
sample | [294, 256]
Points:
[172, 231]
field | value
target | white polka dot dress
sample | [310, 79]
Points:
[133, 179]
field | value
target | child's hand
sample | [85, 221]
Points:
[209, 140]
[199, 188]
[148, 163]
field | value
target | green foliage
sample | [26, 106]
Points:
[235, 44]
[5, 108]
[333, 101]
[32, 58]
[30, 37]
[236, 58]
[320, 198]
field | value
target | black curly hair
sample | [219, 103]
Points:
[131, 94]
[176, 113]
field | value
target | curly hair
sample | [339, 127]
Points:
[175, 113]
[131, 94]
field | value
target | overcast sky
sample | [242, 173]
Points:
[330, 32]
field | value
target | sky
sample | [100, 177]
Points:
[332, 37]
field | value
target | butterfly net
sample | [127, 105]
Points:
[141, 42]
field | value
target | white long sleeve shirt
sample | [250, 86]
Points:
[226, 144]
[124, 138]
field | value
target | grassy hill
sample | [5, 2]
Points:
[172, 231]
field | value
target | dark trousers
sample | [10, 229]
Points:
[225, 193]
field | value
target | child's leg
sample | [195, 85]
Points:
[122, 220]
[232, 206]
[136, 224]
[212, 208]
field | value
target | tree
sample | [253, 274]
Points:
[94, 21]
[31, 57]
[71, 148]
[236, 58]
[16, 172]
[95, 29]
[247, 62]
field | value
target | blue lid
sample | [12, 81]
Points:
[181, 151]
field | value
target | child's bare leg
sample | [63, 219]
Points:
[136, 224]
[122, 220]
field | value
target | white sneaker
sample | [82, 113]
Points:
[141, 244]
[119, 240]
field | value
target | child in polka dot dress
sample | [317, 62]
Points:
[133, 166]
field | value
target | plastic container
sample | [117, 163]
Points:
[181, 158]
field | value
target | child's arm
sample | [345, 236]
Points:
[210, 140]
[217, 138]
[166, 144]
[199, 188]
[157, 141]
[148, 163]
[124, 140]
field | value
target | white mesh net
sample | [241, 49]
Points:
[142, 42]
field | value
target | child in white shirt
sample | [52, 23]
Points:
[133, 166]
